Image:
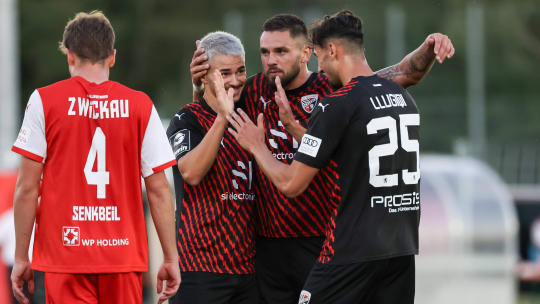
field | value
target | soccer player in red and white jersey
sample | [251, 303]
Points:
[91, 139]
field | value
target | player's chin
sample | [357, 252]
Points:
[237, 94]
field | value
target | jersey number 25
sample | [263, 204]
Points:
[390, 148]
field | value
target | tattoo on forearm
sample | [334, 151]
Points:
[390, 72]
[419, 63]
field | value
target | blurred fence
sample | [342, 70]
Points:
[516, 162]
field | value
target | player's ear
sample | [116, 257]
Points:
[332, 49]
[70, 58]
[306, 53]
[112, 59]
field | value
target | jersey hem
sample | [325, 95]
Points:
[26, 153]
[220, 272]
[90, 269]
[290, 236]
[164, 166]
[372, 258]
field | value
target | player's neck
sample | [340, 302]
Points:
[353, 66]
[96, 73]
[300, 79]
[211, 100]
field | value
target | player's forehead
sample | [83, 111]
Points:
[277, 39]
[227, 62]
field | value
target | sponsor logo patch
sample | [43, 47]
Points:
[180, 142]
[310, 145]
[305, 296]
[71, 236]
[309, 102]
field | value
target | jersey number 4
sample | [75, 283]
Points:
[100, 178]
[390, 148]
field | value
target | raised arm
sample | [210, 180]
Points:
[285, 113]
[413, 67]
[161, 208]
[195, 164]
[24, 212]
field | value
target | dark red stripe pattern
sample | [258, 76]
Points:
[277, 215]
[216, 231]
[327, 251]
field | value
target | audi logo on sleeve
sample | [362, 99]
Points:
[310, 145]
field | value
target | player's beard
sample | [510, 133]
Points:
[287, 78]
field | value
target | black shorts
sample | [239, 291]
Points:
[389, 281]
[207, 287]
[283, 265]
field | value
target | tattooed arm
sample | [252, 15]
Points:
[413, 67]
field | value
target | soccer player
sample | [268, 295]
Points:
[213, 182]
[92, 139]
[366, 136]
[291, 230]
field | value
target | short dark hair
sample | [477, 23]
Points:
[286, 22]
[90, 36]
[343, 24]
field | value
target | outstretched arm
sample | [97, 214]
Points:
[291, 180]
[413, 67]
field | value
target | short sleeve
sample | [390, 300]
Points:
[31, 141]
[326, 127]
[184, 133]
[156, 155]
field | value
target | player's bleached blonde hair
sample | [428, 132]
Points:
[222, 43]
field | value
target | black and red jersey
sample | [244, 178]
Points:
[367, 134]
[214, 219]
[279, 216]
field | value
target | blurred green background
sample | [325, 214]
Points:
[484, 102]
[156, 38]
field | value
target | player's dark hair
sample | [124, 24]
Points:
[90, 36]
[286, 22]
[343, 24]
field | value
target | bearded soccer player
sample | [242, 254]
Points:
[92, 139]
[291, 230]
[213, 182]
[366, 135]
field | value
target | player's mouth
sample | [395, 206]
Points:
[274, 72]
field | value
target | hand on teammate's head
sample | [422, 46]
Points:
[199, 65]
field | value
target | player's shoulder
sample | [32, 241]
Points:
[321, 78]
[58, 86]
[255, 82]
[186, 115]
[123, 90]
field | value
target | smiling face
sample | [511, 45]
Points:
[233, 71]
[281, 55]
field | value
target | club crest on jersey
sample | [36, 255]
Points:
[309, 102]
[71, 236]
[180, 142]
[305, 296]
